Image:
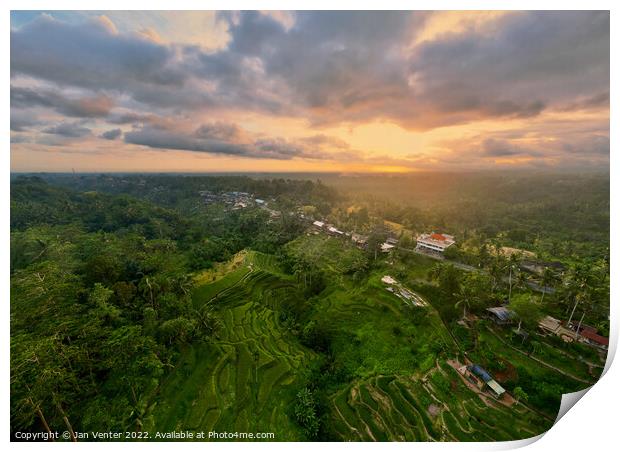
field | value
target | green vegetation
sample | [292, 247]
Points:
[135, 306]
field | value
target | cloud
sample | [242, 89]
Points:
[361, 66]
[91, 54]
[596, 101]
[69, 130]
[422, 71]
[160, 138]
[219, 131]
[492, 147]
[593, 144]
[111, 134]
[21, 121]
[20, 138]
[81, 107]
[533, 60]
[229, 139]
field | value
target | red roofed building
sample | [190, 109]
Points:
[594, 338]
[434, 242]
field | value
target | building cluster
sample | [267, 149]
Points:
[232, 199]
[570, 332]
[581, 332]
[236, 200]
[361, 241]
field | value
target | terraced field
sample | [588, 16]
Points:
[246, 379]
[398, 386]
[437, 407]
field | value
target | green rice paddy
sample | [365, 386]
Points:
[398, 386]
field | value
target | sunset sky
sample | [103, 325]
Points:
[309, 91]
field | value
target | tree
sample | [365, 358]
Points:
[527, 310]
[513, 262]
[520, 394]
[464, 301]
[375, 239]
[306, 412]
[546, 278]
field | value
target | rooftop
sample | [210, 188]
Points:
[502, 313]
[479, 371]
[594, 337]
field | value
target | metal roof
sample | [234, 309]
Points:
[477, 370]
[494, 385]
[502, 313]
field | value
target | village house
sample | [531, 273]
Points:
[538, 267]
[551, 325]
[589, 335]
[595, 339]
[501, 315]
[434, 242]
[359, 240]
[586, 334]
[334, 231]
[482, 379]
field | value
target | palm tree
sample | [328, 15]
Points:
[583, 288]
[495, 270]
[512, 265]
[464, 301]
[545, 279]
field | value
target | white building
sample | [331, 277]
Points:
[318, 224]
[333, 230]
[434, 242]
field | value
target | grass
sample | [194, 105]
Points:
[396, 401]
[246, 379]
[392, 355]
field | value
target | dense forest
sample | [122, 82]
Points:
[114, 277]
[100, 292]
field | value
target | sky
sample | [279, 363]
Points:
[281, 91]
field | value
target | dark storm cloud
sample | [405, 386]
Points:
[82, 107]
[111, 134]
[68, 129]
